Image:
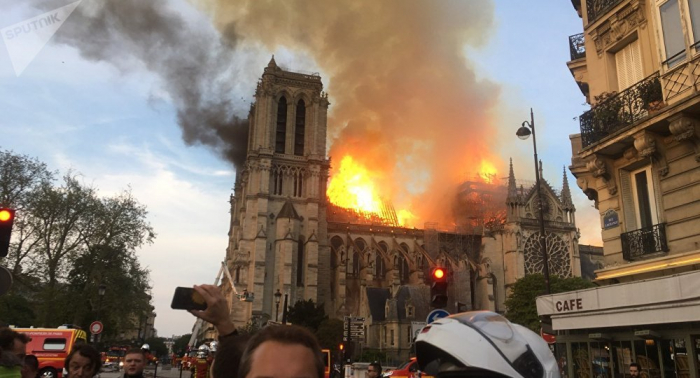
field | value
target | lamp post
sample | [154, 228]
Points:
[278, 297]
[523, 133]
[101, 292]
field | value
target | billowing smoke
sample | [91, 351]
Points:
[192, 63]
[405, 102]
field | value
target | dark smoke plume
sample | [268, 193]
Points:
[193, 64]
[405, 102]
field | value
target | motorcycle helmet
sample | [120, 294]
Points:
[483, 344]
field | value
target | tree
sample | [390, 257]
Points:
[330, 333]
[307, 313]
[181, 343]
[68, 240]
[520, 304]
[158, 347]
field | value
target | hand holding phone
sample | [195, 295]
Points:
[186, 298]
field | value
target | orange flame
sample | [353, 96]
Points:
[352, 187]
[487, 172]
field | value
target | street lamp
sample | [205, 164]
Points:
[278, 297]
[524, 133]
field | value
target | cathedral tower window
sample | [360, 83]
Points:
[299, 129]
[300, 262]
[298, 183]
[281, 134]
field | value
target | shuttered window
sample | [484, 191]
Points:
[629, 66]
[638, 199]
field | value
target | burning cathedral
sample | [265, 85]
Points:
[287, 240]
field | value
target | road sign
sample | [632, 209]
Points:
[436, 314]
[96, 327]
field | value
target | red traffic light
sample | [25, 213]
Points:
[6, 215]
[438, 273]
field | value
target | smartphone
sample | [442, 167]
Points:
[186, 298]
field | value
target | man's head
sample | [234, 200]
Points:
[31, 366]
[14, 342]
[83, 362]
[374, 369]
[635, 369]
[282, 352]
[134, 361]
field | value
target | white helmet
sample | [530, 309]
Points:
[213, 345]
[483, 344]
[146, 347]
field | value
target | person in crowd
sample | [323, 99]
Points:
[282, 351]
[134, 363]
[13, 349]
[374, 370]
[83, 362]
[31, 366]
[231, 344]
[635, 369]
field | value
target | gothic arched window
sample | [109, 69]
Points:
[300, 261]
[281, 134]
[380, 271]
[299, 127]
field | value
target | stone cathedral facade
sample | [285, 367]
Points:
[284, 236]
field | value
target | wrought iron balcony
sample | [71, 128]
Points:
[646, 241]
[615, 111]
[597, 8]
[576, 46]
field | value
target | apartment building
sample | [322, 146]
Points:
[637, 157]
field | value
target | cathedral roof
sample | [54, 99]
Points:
[288, 211]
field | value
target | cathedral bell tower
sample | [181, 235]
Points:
[278, 221]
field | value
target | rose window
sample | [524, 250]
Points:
[557, 251]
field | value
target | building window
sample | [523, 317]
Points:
[300, 261]
[281, 134]
[238, 275]
[299, 129]
[384, 335]
[638, 198]
[392, 337]
[671, 14]
[277, 180]
[628, 63]
[409, 311]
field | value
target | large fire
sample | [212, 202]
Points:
[352, 186]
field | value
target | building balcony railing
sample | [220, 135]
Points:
[643, 242]
[576, 46]
[615, 111]
[597, 8]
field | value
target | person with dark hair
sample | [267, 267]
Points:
[635, 369]
[31, 366]
[288, 348]
[13, 348]
[14, 342]
[231, 344]
[374, 370]
[134, 363]
[83, 362]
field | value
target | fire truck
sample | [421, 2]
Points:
[51, 346]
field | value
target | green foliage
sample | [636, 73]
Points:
[371, 355]
[180, 346]
[330, 333]
[66, 241]
[520, 304]
[307, 314]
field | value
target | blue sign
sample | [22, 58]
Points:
[610, 219]
[436, 314]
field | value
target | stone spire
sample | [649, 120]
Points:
[272, 63]
[566, 201]
[512, 189]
